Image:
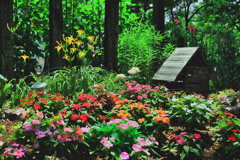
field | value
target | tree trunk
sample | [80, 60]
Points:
[111, 34]
[158, 15]
[56, 31]
[6, 39]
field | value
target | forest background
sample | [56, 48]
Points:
[31, 28]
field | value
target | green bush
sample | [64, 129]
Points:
[142, 47]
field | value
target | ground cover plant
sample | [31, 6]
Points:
[137, 121]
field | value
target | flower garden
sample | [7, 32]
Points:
[131, 121]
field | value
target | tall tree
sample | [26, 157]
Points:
[6, 39]
[158, 15]
[56, 31]
[111, 34]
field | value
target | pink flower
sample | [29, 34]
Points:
[85, 129]
[35, 121]
[132, 124]
[176, 21]
[35, 144]
[1, 143]
[106, 142]
[18, 153]
[183, 133]
[115, 121]
[68, 130]
[7, 150]
[144, 95]
[123, 126]
[139, 97]
[124, 155]
[40, 134]
[181, 140]
[137, 147]
[15, 144]
[196, 136]
[238, 104]
[39, 115]
[224, 41]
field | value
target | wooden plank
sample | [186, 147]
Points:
[165, 77]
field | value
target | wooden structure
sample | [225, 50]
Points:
[186, 69]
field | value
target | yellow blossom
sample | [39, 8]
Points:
[58, 48]
[78, 43]
[90, 46]
[90, 38]
[13, 29]
[81, 54]
[73, 49]
[66, 57]
[80, 32]
[24, 57]
[70, 40]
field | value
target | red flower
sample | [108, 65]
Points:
[230, 122]
[76, 106]
[30, 102]
[60, 98]
[234, 130]
[36, 106]
[229, 114]
[86, 104]
[83, 117]
[232, 138]
[196, 136]
[103, 118]
[176, 21]
[43, 101]
[224, 41]
[74, 117]
[34, 23]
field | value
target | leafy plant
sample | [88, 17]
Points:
[118, 136]
[156, 97]
[227, 129]
[192, 111]
[142, 46]
[184, 145]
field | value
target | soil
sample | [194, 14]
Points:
[212, 150]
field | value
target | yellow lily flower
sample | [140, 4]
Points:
[66, 57]
[80, 32]
[90, 38]
[73, 49]
[70, 40]
[81, 54]
[58, 48]
[24, 57]
[13, 29]
[78, 43]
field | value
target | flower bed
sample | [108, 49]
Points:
[136, 123]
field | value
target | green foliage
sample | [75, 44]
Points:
[142, 47]
[227, 129]
[117, 136]
[70, 82]
[184, 145]
[190, 110]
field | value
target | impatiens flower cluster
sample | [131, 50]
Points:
[16, 150]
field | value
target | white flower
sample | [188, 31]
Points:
[136, 69]
[132, 71]
[120, 76]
